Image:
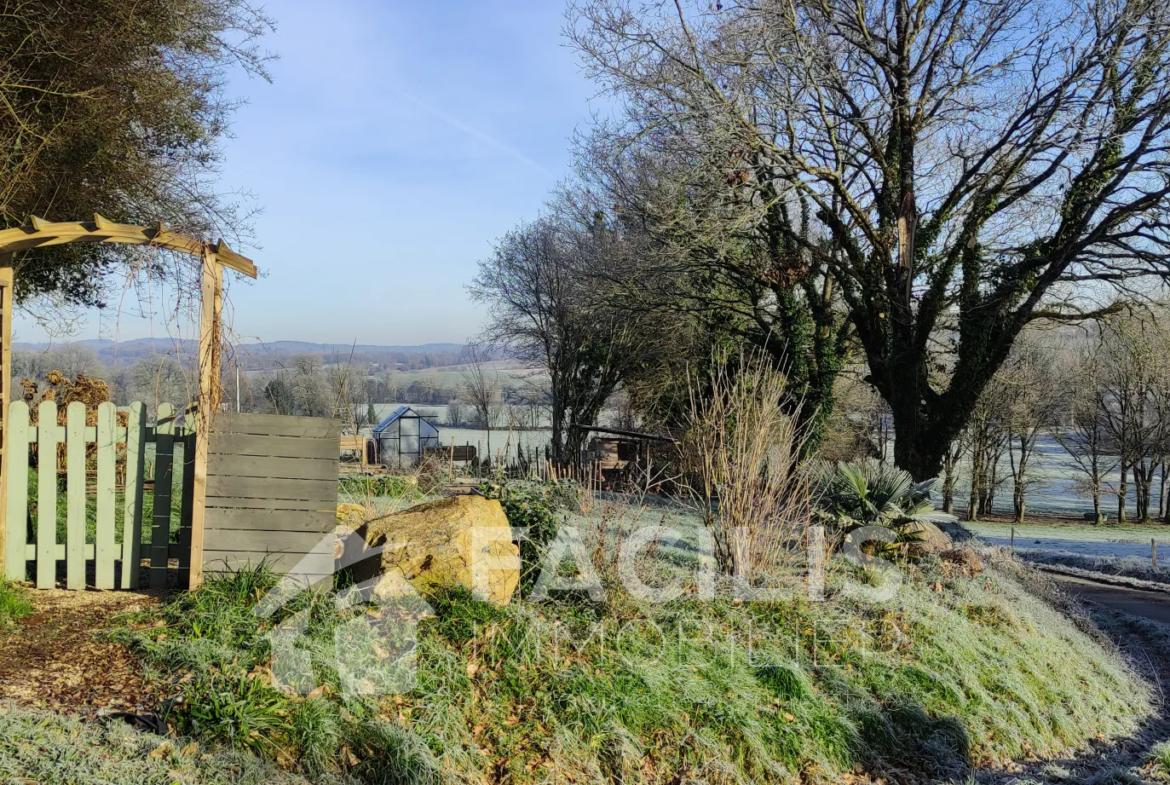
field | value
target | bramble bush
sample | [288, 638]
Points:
[532, 505]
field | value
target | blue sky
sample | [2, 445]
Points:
[397, 140]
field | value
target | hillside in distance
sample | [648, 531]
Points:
[260, 356]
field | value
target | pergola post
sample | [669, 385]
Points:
[210, 313]
[5, 396]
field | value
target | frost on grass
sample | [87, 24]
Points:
[955, 672]
[48, 748]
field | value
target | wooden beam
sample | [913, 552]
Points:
[230, 258]
[41, 233]
[5, 395]
[209, 338]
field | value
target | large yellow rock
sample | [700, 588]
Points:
[463, 540]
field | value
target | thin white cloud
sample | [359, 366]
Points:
[471, 130]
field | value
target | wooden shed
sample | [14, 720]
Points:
[613, 449]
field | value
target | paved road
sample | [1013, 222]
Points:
[1138, 602]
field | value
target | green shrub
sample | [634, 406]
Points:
[533, 506]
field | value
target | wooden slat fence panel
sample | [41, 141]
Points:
[46, 494]
[164, 481]
[107, 436]
[75, 494]
[99, 446]
[188, 501]
[272, 494]
[273, 446]
[132, 503]
[16, 503]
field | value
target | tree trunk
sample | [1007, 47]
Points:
[1122, 492]
[1019, 502]
[973, 497]
[919, 448]
[1163, 499]
[1020, 483]
[558, 432]
[1144, 487]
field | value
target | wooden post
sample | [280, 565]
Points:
[452, 467]
[209, 337]
[1013, 541]
[5, 395]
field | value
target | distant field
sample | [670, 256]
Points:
[1048, 541]
[509, 372]
[1066, 530]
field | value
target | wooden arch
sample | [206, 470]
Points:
[39, 233]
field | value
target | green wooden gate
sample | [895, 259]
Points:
[150, 467]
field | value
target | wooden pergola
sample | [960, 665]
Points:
[213, 257]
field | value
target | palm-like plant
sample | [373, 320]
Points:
[852, 495]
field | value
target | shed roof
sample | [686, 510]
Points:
[398, 414]
[618, 432]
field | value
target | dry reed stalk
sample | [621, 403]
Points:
[744, 449]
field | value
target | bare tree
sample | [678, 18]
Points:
[989, 437]
[73, 359]
[481, 386]
[540, 286]
[1134, 400]
[1033, 406]
[951, 171]
[309, 388]
[1081, 431]
[951, 470]
[160, 379]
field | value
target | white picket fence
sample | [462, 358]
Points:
[31, 535]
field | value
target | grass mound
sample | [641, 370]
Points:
[954, 671]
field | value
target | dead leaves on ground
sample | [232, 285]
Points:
[50, 660]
